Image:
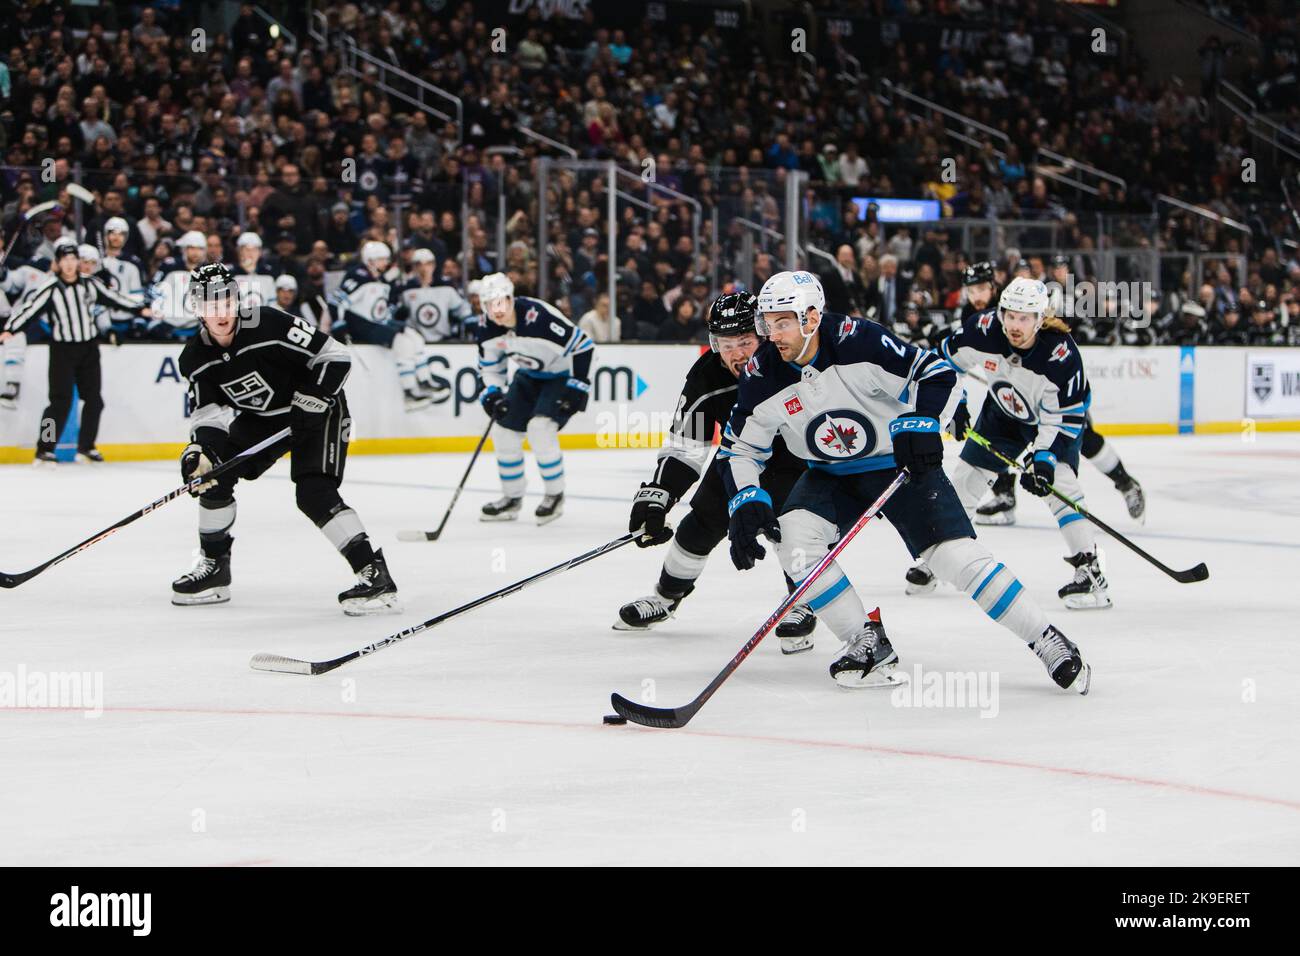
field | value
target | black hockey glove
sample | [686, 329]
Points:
[495, 404]
[197, 461]
[650, 507]
[918, 443]
[573, 399]
[1036, 478]
[751, 515]
[960, 423]
[307, 412]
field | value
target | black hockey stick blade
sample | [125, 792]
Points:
[669, 718]
[1192, 575]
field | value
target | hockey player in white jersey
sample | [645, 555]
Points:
[858, 404]
[552, 382]
[128, 274]
[171, 285]
[431, 307]
[18, 277]
[255, 276]
[363, 307]
[1038, 398]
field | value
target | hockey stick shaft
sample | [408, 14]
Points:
[289, 665]
[13, 580]
[435, 534]
[1191, 575]
[681, 716]
[38, 210]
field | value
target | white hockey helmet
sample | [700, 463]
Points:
[116, 224]
[87, 253]
[1023, 294]
[795, 292]
[422, 255]
[286, 281]
[375, 251]
[495, 286]
[193, 240]
[249, 239]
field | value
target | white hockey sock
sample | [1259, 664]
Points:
[408, 346]
[967, 564]
[510, 461]
[544, 436]
[805, 540]
[1106, 459]
[971, 484]
[1077, 530]
[14, 353]
[682, 564]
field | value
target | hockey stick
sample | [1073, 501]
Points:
[290, 665]
[39, 209]
[13, 580]
[1190, 576]
[673, 717]
[433, 535]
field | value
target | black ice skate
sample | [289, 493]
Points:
[414, 400]
[90, 456]
[208, 582]
[373, 592]
[1088, 589]
[869, 659]
[44, 459]
[920, 579]
[1063, 661]
[795, 630]
[644, 613]
[503, 509]
[998, 509]
[1134, 498]
[552, 507]
[9, 395]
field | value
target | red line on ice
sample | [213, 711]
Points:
[1104, 775]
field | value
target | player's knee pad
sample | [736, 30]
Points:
[508, 443]
[317, 497]
[959, 561]
[971, 483]
[697, 535]
[805, 539]
[407, 345]
[1093, 443]
[216, 515]
[544, 434]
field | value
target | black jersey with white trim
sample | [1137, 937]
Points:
[273, 355]
[704, 406]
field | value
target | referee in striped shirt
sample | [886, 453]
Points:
[65, 299]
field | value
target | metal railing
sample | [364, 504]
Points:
[272, 21]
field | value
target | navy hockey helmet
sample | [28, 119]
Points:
[977, 272]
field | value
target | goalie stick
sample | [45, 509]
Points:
[674, 717]
[40, 209]
[13, 580]
[434, 535]
[290, 665]
[1190, 576]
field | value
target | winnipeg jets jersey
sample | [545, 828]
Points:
[171, 283]
[437, 312]
[363, 296]
[128, 276]
[18, 280]
[256, 288]
[835, 411]
[543, 344]
[1044, 387]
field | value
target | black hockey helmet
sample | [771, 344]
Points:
[212, 282]
[978, 272]
[1060, 260]
[732, 314]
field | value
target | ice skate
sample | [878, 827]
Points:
[9, 395]
[1135, 498]
[869, 659]
[90, 456]
[796, 629]
[644, 613]
[998, 509]
[1063, 661]
[503, 509]
[552, 507]
[373, 592]
[1088, 589]
[920, 579]
[208, 582]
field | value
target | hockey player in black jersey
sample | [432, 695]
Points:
[705, 405]
[251, 372]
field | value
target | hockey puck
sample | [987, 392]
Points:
[615, 719]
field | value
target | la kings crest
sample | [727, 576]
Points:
[250, 391]
[1261, 379]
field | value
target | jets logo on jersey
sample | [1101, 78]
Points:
[840, 435]
[531, 313]
[379, 311]
[985, 321]
[1012, 402]
[251, 391]
[428, 315]
[1060, 353]
[793, 406]
[847, 327]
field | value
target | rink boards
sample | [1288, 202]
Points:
[1136, 391]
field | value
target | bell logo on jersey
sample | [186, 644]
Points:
[1011, 401]
[1060, 353]
[250, 392]
[840, 435]
[793, 406]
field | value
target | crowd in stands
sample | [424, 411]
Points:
[253, 135]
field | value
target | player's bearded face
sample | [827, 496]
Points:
[736, 350]
[1021, 328]
[979, 295]
[502, 311]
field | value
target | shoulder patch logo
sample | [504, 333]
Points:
[1060, 353]
[985, 321]
[793, 406]
[531, 313]
[990, 365]
[847, 327]
[751, 367]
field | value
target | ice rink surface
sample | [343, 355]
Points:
[481, 742]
